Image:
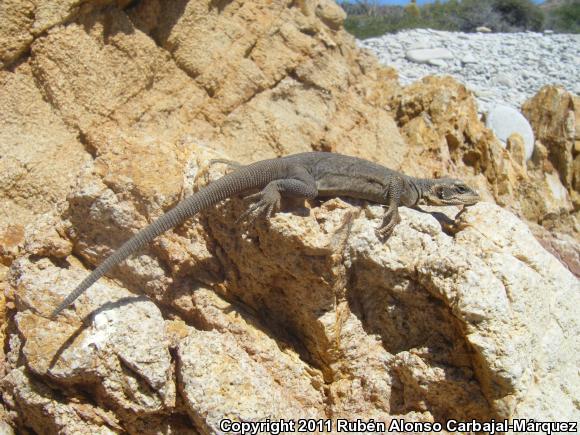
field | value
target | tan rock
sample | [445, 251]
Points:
[218, 380]
[15, 34]
[5, 427]
[4, 320]
[46, 414]
[279, 80]
[40, 154]
[330, 14]
[542, 339]
[101, 77]
[107, 349]
[21, 21]
[438, 117]
[544, 198]
[287, 369]
[425, 321]
[11, 242]
[553, 113]
[496, 341]
[576, 188]
[498, 373]
[45, 237]
[515, 145]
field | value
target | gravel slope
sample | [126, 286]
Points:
[501, 68]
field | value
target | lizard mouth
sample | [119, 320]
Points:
[471, 200]
[465, 200]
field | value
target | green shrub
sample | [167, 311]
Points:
[471, 14]
[368, 27]
[565, 18]
[521, 14]
[367, 18]
[413, 10]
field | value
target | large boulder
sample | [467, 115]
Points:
[479, 323]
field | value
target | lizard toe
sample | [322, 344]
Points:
[248, 215]
[264, 207]
[384, 232]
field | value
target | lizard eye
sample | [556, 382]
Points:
[461, 189]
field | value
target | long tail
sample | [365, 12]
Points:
[229, 185]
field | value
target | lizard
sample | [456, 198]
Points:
[305, 175]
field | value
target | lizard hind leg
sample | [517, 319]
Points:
[265, 202]
[268, 199]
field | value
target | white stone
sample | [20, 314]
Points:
[427, 54]
[438, 62]
[505, 120]
[469, 58]
[504, 79]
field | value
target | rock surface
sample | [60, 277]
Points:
[112, 112]
[555, 116]
[431, 328]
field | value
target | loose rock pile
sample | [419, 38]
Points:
[500, 68]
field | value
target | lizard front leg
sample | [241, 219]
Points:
[390, 220]
[265, 202]
[393, 199]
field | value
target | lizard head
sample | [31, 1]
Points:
[448, 191]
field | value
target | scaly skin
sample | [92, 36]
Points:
[306, 175]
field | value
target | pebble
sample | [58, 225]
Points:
[423, 55]
[437, 62]
[501, 68]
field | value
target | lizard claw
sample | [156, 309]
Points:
[265, 203]
[390, 221]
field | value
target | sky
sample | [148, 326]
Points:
[420, 2]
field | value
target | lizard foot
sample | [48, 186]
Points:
[264, 203]
[390, 221]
